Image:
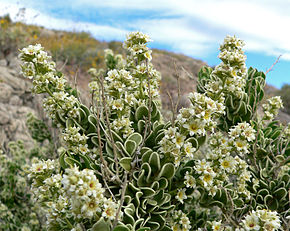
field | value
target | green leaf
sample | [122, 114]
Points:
[101, 225]
[136, 137]
[95, 140]
[121, 228]
[141, 112]
[238, 202]
[86, 160]
[92, 124]
[126, 163]
[167, 171]
[61, 160]
[280, 193]
[144, 229]
[141, 126]
[116, 137]
[154, 161]
[128, 219]
[72, 162]
[130, 146]
[147, 192]
[193, 141]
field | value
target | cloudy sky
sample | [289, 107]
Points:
[192, 27]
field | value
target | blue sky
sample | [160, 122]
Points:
[192, 27]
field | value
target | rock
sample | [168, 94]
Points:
[9, 77]
[4, 116]
[5, 92]
[15, 100]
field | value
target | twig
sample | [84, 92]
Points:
[189, 75]
[65, 62]
[104, 162]
[178, 86]
[150, 96]
[136, 159]
[124, 186]
[172, 107]
[109, 128]
[255, 148]
[75, 83]
[270, 69]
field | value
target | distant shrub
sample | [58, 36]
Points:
[18, 210]
[12, 37]
[78, 49]
[285, 95]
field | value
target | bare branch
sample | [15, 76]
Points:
[124, 186]
[150, 97]
[270, 69]
[109, 128]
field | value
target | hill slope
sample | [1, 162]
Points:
[75, 53]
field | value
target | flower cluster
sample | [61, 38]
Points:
[230, 75]
[261, 220]
[221, 155]
[74, 140]
[180, 221]
[86, 195]
[240, 136]
[114, 61]
[221, 162]
[201, 115]
[136, 45]
[174, 143]
[75, 195]
[61, 103]
[37, 65]
[129, 84]
[194, 121]
[271, 108]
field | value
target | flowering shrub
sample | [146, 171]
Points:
[218, 166]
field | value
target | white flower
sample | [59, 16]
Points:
[110, 209]
[228, 163]
[194, 127]
[181, 195]
[189, 150]
[189, 180]
[217, 225]
[178, 140]
[251, 222]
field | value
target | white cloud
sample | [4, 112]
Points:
[32, 16]
[194, 27]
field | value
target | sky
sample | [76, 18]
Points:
[192, 27]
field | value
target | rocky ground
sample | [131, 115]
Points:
[16, 100]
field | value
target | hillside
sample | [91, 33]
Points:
[75, 53]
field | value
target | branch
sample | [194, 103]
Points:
[150, 96]
[124, 186]
[109, 128]
[178, 86]
[172, 108]
[270, 69]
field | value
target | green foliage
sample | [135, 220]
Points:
[37, 128]
[17, 208]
